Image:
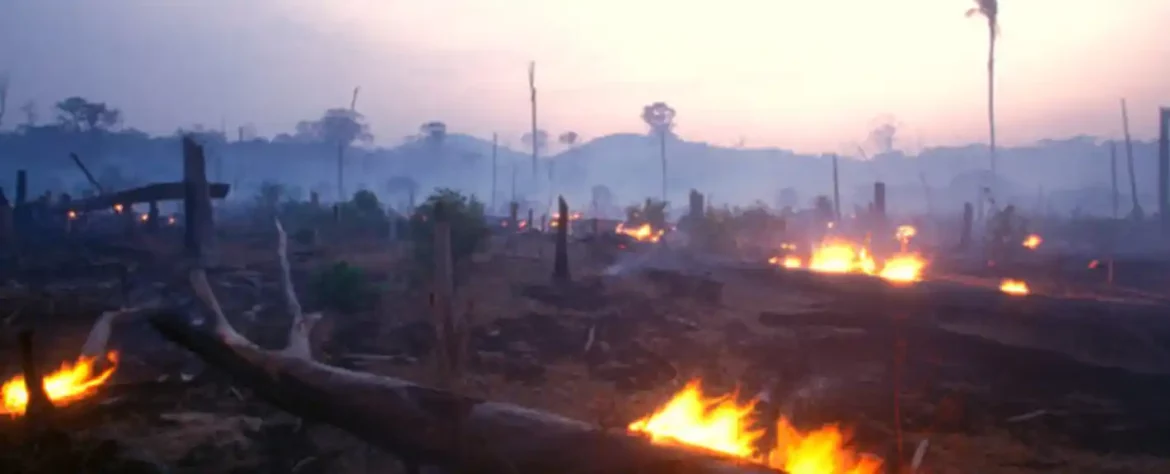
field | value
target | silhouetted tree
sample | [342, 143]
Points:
[541, 140]
[568, 139]
[435, 133]
[660, 118]
[29, 109]
[80, 115]
[989, 9]
[403, 185]
[341, 127]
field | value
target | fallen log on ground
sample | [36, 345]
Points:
[419, 424]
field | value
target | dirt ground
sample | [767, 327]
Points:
[983, 406]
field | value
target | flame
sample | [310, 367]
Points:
[71, 382]
[786, 262]
[839, 256]
[118, 208]
[904, 233]
[171, 220]
[643, 233]
[721, 424]
[1093, 264]
[144, 217]
[1014, 287]
[72, 215]
[1032, 241]
[903, 268]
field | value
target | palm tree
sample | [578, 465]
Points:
[989, 9]
[660, 118]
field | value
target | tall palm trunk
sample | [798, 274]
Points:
[991, 91]
[662, 154]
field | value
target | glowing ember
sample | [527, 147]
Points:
[838, 256]
[903, 268]
[723, 425]
[171, 220]
[1094, 264]
[643, 233]
[118, 208]
[1013, 287]
[1032, 241]
[72, 215]
[786, 262]
[144, 217]
[67, 384]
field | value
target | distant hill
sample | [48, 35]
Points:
[1077, 169]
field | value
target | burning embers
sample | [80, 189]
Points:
[69, 383]
[1032, 241]
[642, 233]
[723, 425]
[837, 255]
[1014, 287]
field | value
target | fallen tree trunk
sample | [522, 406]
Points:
[419, 424]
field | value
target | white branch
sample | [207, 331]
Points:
[223, 328]
[99, 336]
[302, 324]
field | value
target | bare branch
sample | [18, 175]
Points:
[223, 328]
[302, 324]
[99, 336]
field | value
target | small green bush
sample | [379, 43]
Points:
[342, 287]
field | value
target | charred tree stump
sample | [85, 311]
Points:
[7, 231]
[39, 409]
[314, 199]
[197, 203]
[513, 215]
[529, 226]
[561, 259]
[21, 188]
[129, 221]
[152, 217]
[879, 207]
[1164, 168]
[442, 304]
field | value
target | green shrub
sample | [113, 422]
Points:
[468, 232]
[342, 287]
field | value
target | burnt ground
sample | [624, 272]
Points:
[984, 406]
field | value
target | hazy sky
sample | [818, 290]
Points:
[807, 75]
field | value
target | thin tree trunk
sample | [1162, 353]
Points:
[991, 94]
[495, 169]
[1116, 196]
[340, 173]
[662, 152]
[1137, 212]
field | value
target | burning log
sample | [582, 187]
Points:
[420, 424]
[561, 261]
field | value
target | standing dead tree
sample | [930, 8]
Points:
[423, 425]
[561, 260]
[1136, 213]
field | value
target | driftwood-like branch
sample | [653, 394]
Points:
[427, 426]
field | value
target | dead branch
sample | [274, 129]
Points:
[424, 425]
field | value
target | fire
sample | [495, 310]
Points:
[69, 383]
[556, 218]
[839, 256]
[118, 208]
[1014, 287]
[72, 215]
[144, 217]
[643, 233]
[171, 220]
[1032, 241]
[903, 268]
[721, 424]
[786, 262]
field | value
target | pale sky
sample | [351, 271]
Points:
[806, 75]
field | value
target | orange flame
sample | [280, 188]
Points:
[839, 256]
[786, 262]
[144, 217]
[643, 233]
[721, 424]
[118, 208]
[1014, 287]
[69, 383]
[1032, 241]
[72, 215]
